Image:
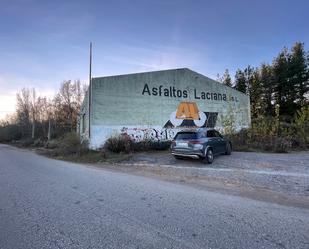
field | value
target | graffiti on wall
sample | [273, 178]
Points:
[140, 134]
[187, 115]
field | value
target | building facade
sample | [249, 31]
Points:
[156, 105]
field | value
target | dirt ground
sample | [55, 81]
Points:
[279, 178]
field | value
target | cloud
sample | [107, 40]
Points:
[145, 58]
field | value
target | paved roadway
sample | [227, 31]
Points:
[46, 203]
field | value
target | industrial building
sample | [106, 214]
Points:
[156, 105]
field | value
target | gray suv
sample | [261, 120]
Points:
[201, 143]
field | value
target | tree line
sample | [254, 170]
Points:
[278, 94]
[39, 117]
[280, 88]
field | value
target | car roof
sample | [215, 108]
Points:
[196, 129]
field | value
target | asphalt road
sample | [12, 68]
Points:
[46, 203]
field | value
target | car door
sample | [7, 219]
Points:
[220, 141]
[213, 141]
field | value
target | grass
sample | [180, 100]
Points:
[91, 156]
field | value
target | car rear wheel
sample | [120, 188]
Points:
[228, 149]
[209, 157]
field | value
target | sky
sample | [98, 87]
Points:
[43, 43]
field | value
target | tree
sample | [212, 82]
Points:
[299, 75]
[281, 81]
[266, 79]
[249, 77]
[226, 78]
[240, 81]
[67, 104]
[33, 105]
[23, 109]
[255, 91]
[43, 116]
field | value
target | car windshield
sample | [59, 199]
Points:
[186, 135]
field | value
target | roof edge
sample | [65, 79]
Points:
[145, 72]
[172, 69]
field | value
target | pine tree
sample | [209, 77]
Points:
[240, 81]
[255, 91]
[249, 75]
[266, 79]
[226, 79]
[281, 81]
[299, 75]
[285, 83]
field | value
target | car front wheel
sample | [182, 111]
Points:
[209, 157]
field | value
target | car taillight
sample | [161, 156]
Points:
[196, 142]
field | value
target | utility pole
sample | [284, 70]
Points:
[89, 91]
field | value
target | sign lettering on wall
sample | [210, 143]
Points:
[173, 92]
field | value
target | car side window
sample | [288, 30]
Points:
[217, 134]
[210, 133]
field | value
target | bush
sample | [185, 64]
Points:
[26, 142]
[302, 127]
[123, 143]
[120, 143]
[38, 142]
[69, 144]
[52, 144]
[265, 134]
[9, 133]
[148, 145]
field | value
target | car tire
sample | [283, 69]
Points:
[178, 157]
[209, 156]
[228, 149]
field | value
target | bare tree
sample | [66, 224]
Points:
[38, 116]
[67, 103]
[23, 107]
[34, 107]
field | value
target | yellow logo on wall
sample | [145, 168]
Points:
[187, 110]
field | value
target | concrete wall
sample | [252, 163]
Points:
[157, 104]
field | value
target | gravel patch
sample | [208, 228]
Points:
[275, 177]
